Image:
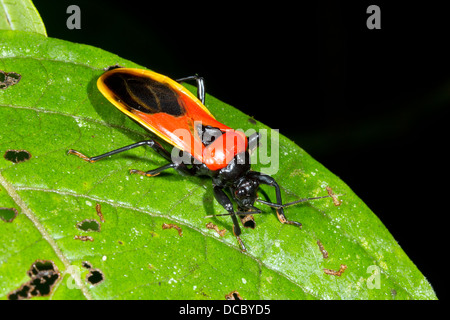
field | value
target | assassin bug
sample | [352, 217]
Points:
[165, 107]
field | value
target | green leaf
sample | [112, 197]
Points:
[56, 106]
[20, 15]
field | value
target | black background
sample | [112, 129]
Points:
[370, 105]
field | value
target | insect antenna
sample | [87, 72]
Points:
[276, 205]
[273, 205]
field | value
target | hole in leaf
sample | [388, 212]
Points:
[95, 277]
[116, 66]
[17, 156]
[233, 295]
[89, 225]
[43, 276]
[8, 79]
[248, 221]
[86, 265]
[8, 214]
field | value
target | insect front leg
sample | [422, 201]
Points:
[265, 179]
[200, 86]
[223, 199]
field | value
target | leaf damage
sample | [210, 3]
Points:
[83, 238]
[334, 272]
[233, 295]
[8, 79]
[89, 225]
[43, 276]
[98, 209]
[212, 226]
[17, 156]
[334, 196]
[322, 249]
[174, 226]
[8, 214]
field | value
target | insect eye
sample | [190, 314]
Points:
[240, 192]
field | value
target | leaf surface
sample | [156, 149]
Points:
[56, 106]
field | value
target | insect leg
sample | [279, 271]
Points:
[154, 172]
[253, 142]
[223, 199]
[265, 179]
[200, 86]
[153, 144]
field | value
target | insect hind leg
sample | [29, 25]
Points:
[154, 172]
[152, 143]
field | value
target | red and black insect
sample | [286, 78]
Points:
[202, 145]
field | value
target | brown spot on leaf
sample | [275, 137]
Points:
[212, 226]
[84, 238]
[336, 273]
[233, 295]
[8, 214]
[336, 201]
[174, 226]
[43, 277]
[17, 156]
[322, 249]
[8, 79]
[98, 208]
